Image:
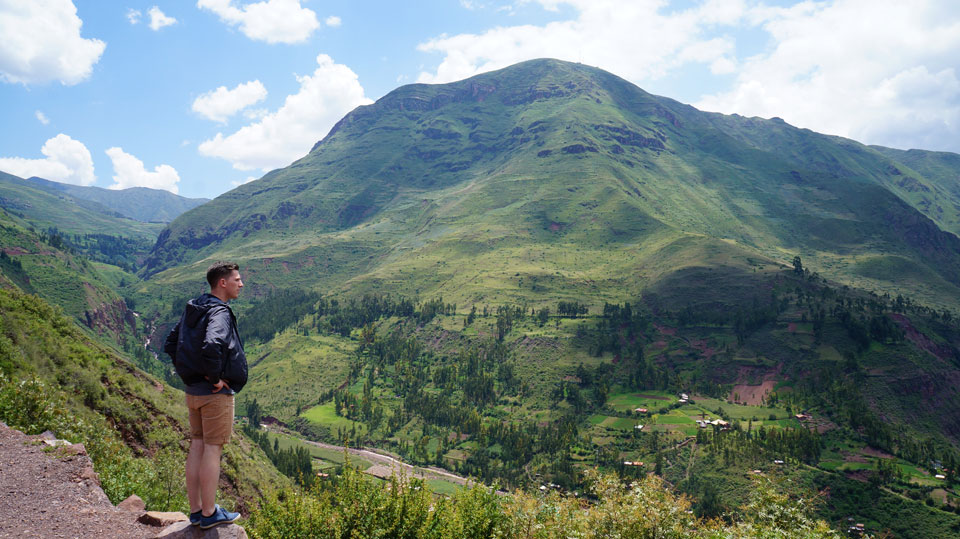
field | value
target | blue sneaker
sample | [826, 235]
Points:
[219, 516]
[195, 518]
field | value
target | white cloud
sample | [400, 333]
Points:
[273, 21]
[332, 21]
[305, 117]
[218, 105]
[879, 71]
[255, 114]
[128, 171]
[133, 15]
[41, 117]
[159, 19]
[636, 40]
[66, 161]
[41, 43]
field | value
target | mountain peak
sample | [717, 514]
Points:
[547, 153]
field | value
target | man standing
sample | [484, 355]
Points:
[208, 355]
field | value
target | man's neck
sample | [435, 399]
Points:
[219, 294]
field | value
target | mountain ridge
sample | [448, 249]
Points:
[569, 155]
[142, 204]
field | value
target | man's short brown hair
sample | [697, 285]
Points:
[220, 270]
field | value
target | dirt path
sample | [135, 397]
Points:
[385, 465]
[51, 493]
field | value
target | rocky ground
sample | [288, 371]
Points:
[53, 492]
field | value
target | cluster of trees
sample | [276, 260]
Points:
[116, 250]
[277, 311]
[571, 309]
[283, 308]
[621, 330]
[13, 263]
[292, 462]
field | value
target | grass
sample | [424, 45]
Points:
[651, 400]
[441, 486]
[292, 369]
[738, 411]
[325, 415]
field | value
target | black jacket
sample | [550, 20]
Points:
[205, 344]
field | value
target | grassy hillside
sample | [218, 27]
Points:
[549, 180]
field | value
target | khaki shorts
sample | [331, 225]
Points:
[211, 418]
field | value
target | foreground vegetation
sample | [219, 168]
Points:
[353, 507]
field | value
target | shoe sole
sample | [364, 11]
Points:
[217, 523]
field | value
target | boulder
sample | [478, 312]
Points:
[132, 504]
[183, 530]
[161, 519]
[73, 450]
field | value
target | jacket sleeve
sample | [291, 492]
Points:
[214, 349]
[170, 345]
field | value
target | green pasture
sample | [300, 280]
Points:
[325, 415]
[442, 486]
[740, 411]
[651, 400]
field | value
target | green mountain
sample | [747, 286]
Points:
[78, 225]
[42, 208]
[138, 203]
[551, 180]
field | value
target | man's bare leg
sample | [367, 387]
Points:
[209, 475]
[194, 462]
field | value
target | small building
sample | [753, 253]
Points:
[640, 410]
[778, 461]
[940, 476]
[638, 427]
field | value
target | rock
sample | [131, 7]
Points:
[89, 475]
[183, 530]
[56, 443]
[47, 435]
[160, 518]
[73, 450]
[132, 504]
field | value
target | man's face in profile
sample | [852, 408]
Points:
[232, 285]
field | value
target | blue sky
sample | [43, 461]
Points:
[197, 97]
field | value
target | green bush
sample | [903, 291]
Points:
[355, 506]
